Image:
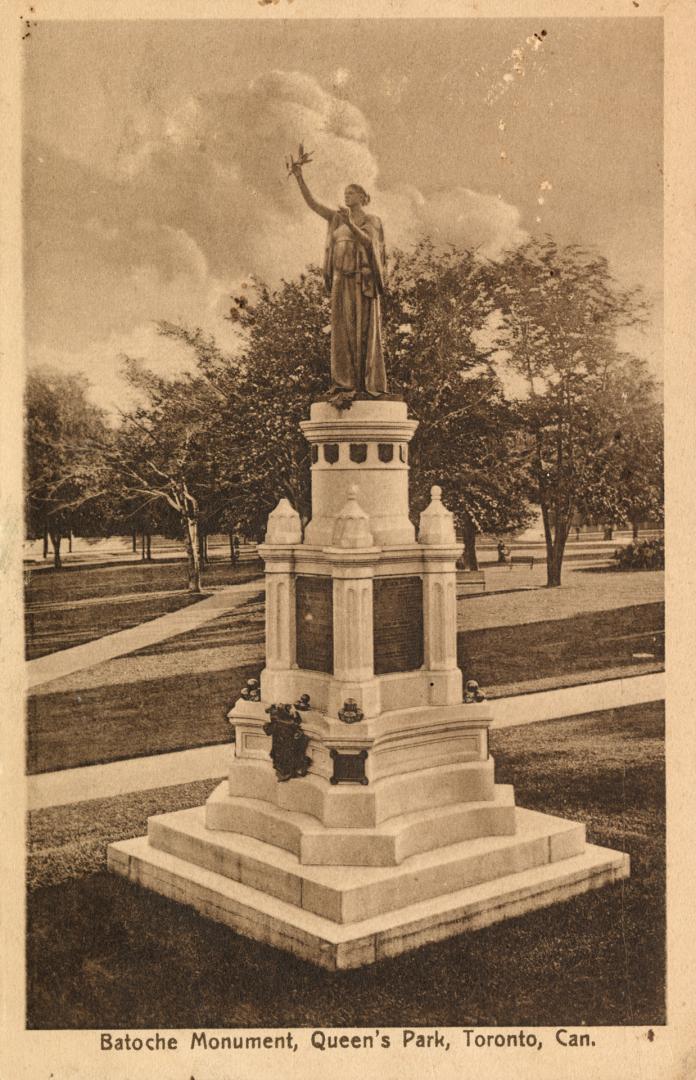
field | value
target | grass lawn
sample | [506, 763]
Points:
[586, 642]
[146, 715]
[88, 582]
[51, 629]
[124, 957]
[133, 719]
[68, 607]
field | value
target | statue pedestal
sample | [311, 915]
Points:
[367, 821]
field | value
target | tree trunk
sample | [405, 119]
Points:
[45, 542]
[142, 546]
[554, 564]
[555, 537]
[193, 555]
[635, 526]
[203, 547]
[55, 540]
[232, 555]
[134, 538]
[148, 547]
[469, 536]
[70, 539]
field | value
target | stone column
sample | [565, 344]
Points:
[280, 609]
[352, 558]
[284, 531]
[352, 605]
[365, 445]
[441, 551]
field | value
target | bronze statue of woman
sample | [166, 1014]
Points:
[354, 261]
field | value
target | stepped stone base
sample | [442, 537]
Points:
[349, 916]
[368, 822]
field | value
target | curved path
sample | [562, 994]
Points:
[529, 602]
[58, 664]
[212, 762]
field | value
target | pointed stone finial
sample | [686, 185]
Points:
[436, 522]
[352, 527]
[284, 525]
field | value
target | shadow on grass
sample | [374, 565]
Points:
[613, 568]
[67, 729]
[83, 582]
[55, 629]
[603, 639]
[152, 716]
[499, 592]
[128, 958]
[243, 625]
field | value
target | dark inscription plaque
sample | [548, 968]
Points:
[349, 768]
[314, 622]
[398, 624]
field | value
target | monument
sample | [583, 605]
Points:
[360, 817]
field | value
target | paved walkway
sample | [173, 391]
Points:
[575, 700]
[87, 666]
[67, 661]
[212, 762]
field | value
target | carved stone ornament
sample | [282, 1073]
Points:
[473, 692]
[351, 713]
[284, 525]
[352, 525]
[358, 452]
[288, 751]
[436, 522]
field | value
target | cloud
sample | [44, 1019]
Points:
[101, 361]
[458, 216]
[196, 199]
[234, 145]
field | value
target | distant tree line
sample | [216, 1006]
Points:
[214, 451]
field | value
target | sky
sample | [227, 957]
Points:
[155, 183]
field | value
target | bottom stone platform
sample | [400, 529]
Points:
[346, 917]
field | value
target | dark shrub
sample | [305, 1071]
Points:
[642, 555]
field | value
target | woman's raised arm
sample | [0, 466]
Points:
[312, 203]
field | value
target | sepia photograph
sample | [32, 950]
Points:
[341, 431]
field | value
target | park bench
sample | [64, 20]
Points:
[470, 581]
[521, 560]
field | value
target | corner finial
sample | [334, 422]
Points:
[352, 527]
[436, 524]
[284, 525]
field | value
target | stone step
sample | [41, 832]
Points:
[352, 805]
[256, 914]
[387, 844]
[349, 894]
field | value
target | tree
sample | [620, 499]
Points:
[625, 484]
[559, 311]
[436, 305]
[163, 458]
[264, 393]
[65, 488]
[436, 311]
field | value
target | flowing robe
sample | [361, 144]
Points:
[354, 278]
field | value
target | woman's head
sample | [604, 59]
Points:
[355, 195]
